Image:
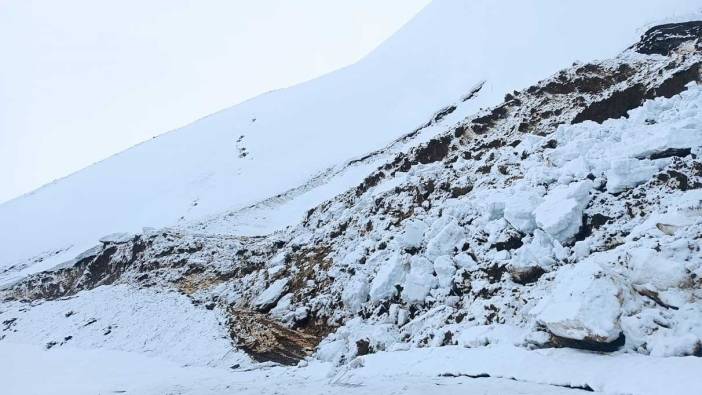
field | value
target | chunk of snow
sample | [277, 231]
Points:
[483, 335]
[560, 214]
[583, 305]
[412, 235]
[420, 280]
[445, 268]
[445, 241]
[117, 238]
[628, 173]
[651, 267]
[390, 274]
[355, 292]
[465, 261]
[519, 210]
[672, 346]
[537, 252]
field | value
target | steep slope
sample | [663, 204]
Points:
[268, 145]
[568, 216]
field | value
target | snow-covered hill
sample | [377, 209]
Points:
[480, 251]
[277, 142]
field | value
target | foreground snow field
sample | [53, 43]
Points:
[548, 244]
[446, 370]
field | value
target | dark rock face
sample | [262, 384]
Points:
[434, 151]
[663, 39]
[677, 82]
[670, 152]
[101, 268]
[527, 275]
[621, 102]
[589, 344]
[363, 347]
[615, 106]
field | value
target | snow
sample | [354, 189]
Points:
[584, 304]
[35, 371]
[444, 269]
[560, 214]
[624, 374]
[412, 235]
[293, 134]
[419, 281]
[594, 289]
[116, 238]
[356, 292]
[627, 173]
[537, 253]
[271, 294]
[124, 318]
[444, 242]
[405, 265]
[618, 148]
[650, 267]
[390, 274]
[519, 208]
[420, 371]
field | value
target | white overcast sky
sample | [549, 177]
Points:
[83, 79]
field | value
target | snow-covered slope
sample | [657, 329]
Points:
[567, 216]
[270, 144]
[483, 252]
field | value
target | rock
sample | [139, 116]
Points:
[587, 344]
[268, 298]
[363, 347]
[526, 274]
[663, 39]
[266, 340]
[584, 305]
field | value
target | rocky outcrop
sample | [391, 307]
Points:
[663, 39]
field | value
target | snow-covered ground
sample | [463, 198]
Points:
[125, 318]
[278, 141]
[445, 370]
